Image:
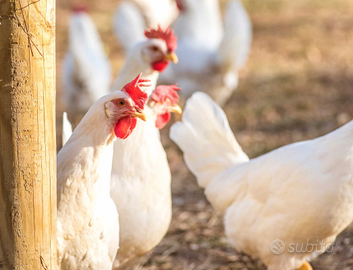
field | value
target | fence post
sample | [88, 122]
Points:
[27, 135]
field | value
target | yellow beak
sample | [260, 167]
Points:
[172, 57]
[140, 115]
[175, 109]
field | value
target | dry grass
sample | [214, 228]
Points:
[297, 85]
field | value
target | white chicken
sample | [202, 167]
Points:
[210, 58]
[132, 17]
[142, 193]
[151, 57]
[199, 22]
[88, 226]
[285, 201]
[86, 73]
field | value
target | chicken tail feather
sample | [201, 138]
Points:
[206, 139]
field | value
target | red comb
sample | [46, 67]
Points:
[133, 90]
[167, 35]
[164, 92]
[79, 9]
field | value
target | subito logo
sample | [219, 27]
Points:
[277, 247]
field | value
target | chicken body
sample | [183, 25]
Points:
[86, 68]
[88, 235]
[142, 193]
[87, 221]
[132, 17]
[210, 56]
[301, 194]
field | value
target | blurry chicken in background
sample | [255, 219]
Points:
[132, 17]
[88, 225]
[149, 57]
[142, 194]
[300, 194]
[86, 74]
[210, 57]
[199, 22]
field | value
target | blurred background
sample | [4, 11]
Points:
[297, 85]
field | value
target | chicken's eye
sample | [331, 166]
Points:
[120, 102]
[155, 48]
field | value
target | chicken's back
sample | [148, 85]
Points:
[301, 193]
[298, 193]
[87, 220]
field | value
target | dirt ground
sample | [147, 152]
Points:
[297, 85]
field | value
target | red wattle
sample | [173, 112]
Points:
[124, 127]
[160, 66]
[162, 120]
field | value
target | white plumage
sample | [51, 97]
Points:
[87, 221]
[86, 74]
[66, 129]
[132, 17]
[199, 22]
[210, 56]
[142, 193]
[135, 64]
[297, 193]
[88, 226]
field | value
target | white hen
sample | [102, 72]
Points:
[86, 73]
[151, 57]
[88, 226]
[210, 58]
[301, 194]
[132, 17]
[142, 194]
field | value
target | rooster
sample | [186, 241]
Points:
[142, 193]
[86, 74]
[132, 17]
[210, 58]
[298, 195]
[88, 226]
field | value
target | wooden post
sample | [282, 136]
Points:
[27, 135]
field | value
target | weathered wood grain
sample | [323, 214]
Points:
[27, 135]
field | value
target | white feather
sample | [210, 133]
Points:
[200, 23]
[87, 220]
[235, 47]
[142, 193]
[210, 58]
[206, 139]
[133, 17]
[66, 129]
[129, 24]
[300, 193]
[86, 69]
